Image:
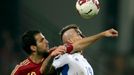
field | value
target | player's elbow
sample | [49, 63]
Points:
[78, 47]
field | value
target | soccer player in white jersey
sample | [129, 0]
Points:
[73, 62]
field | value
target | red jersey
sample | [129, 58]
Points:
[27, 67]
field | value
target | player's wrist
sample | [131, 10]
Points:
[102, 34]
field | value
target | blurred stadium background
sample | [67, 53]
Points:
[107, 57]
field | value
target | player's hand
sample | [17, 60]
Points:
[110, 33]
[52, 49]
[58, 51]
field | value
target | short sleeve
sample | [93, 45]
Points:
[61, 60]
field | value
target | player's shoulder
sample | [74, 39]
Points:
[24, 62]
[19, 66]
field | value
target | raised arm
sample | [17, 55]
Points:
[87, 41]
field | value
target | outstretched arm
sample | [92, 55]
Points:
[83, 43]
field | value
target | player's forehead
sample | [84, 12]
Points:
[70, 31]
[39, 36]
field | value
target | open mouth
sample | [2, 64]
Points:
[47, 46]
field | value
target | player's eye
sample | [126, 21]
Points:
[41, 39]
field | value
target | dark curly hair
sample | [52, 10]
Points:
[28, 39]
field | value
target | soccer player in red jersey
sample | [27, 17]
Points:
[39, 61]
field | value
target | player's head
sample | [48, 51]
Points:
[71, 33]
[33, 41]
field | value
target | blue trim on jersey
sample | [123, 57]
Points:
[65, 69]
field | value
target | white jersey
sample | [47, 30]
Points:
[73, 64]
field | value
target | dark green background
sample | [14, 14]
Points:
[108, 56]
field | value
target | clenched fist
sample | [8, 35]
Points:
[110, 33]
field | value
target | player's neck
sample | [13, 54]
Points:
[36, 58]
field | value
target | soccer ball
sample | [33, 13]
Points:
[88, 8]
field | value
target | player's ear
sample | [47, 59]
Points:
[33, 48]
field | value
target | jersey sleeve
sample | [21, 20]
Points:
[61, 60]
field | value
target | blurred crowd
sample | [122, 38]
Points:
[11, 52]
